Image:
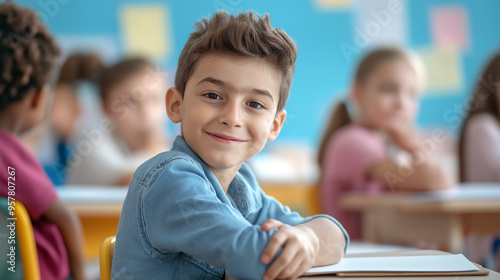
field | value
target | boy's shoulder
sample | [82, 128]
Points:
[180, 160]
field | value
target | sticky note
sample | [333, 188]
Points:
[450, 27]
[333, 4]
[382, 22]
[443, 69]
[146, 30]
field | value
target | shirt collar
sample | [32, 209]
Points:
[180, 145]
[238, 189]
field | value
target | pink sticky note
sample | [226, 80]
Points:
[450, 27]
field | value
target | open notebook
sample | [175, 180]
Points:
[401, 266]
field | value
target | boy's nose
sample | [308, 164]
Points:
[230, 115]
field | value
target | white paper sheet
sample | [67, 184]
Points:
[440, 263]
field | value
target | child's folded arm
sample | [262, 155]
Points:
[332, 238]
[273, 209]
[180, 212]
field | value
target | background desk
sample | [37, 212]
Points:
[492, 275]
[99, 209]
[441, 218]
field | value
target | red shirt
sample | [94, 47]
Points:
[37, 193]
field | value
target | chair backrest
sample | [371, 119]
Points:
[106, 257]
[16, 232]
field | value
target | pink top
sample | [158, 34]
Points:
[349, 154]
[35, 190]
[482, 150]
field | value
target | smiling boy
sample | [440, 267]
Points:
[197, 211]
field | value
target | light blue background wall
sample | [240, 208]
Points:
[322, 71]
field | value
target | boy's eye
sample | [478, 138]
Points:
[212, 95]
[255, 104]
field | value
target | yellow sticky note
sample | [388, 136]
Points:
[333, 4]
[443, 69]
[146, 30]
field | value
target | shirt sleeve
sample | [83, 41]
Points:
[483, 149]
[180, 212]
[273, 209]
[32, 186]
[104, 164]
[349, 155]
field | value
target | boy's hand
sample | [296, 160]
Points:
[300, 247]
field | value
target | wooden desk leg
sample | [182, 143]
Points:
[369, 220]
[455, 234]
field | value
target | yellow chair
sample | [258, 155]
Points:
[106, 257]
[25, 239]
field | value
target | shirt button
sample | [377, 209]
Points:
[212, 267]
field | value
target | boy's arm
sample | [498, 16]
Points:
[331, 240]
[178, 211]
[314, 243]
[305, 242]
[71, 231]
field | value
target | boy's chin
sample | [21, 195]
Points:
[224, 165]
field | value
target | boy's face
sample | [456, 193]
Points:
[228, 111]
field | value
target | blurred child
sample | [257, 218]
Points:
[353, 153]
[479, 147]
[28, 53]
[197, 211]
[66, 111]
[479, 153]
[132, 98]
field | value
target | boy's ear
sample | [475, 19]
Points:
[173, 104]
[278, 121]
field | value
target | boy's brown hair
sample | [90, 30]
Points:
[245, 35]
[27, 51]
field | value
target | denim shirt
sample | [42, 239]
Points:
[178, 223]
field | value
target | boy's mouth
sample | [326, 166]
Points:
[226, 139]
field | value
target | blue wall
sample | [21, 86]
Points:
[322, 73]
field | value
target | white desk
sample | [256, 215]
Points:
[442, 218]
[492, 274]
[99, 209]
